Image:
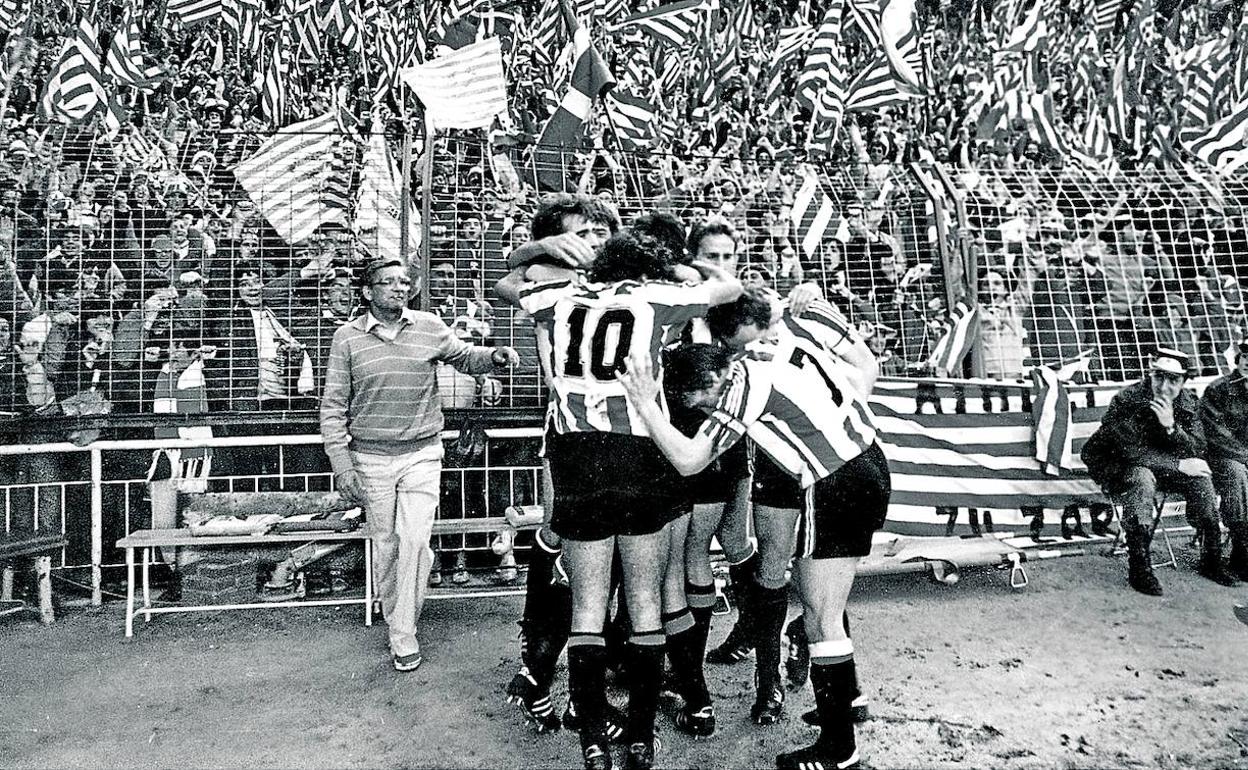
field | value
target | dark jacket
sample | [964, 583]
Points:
[1130, 436]
[1224, 417]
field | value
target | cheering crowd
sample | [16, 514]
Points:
[123, 252]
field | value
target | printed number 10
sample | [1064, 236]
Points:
[599, 368]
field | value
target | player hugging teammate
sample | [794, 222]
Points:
[794, 380]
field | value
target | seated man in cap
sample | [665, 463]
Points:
[1150, 440]
[1224, 416]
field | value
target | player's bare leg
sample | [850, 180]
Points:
[824, 585]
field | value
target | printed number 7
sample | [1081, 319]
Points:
[799, 359]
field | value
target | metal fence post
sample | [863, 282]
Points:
[97, 528]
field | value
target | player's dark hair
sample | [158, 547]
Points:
[667, 229]
[548, 220]
[753, 307]
[631, 256]
[705, 229]
[688, 367]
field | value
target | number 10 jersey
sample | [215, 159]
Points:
[593, 329]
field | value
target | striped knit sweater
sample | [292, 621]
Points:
[381, 395]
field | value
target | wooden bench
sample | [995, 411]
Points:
[18, 545]
[145, 540]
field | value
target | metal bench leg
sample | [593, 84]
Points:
[43, 568]
[129, 592]
[368, 581]
[147, 585]
[6, 583]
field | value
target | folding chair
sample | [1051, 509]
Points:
[1120, 541]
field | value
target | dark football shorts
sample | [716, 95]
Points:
[609, 484]
[717, 483]
[773, 486]
[843, 510]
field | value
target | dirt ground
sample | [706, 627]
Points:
[1073, 671]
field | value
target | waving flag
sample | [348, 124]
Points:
[291, 177]
[125, 63]
[674, 24]
[243, 16]
[633, 119]
[463, 89]
[961, 332]
[74, 92]
[900, 37]
[822, 83]
[273, 97]
[10, 15]
[811, 213]
[874, 87]
[1224, 145]
[377, 214]
[192, 12]
[590, 79]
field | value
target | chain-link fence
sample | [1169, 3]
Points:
[206, 272]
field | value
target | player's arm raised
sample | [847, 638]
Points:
[723, 287]
[687, 455]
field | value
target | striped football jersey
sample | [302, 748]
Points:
[593, 329]
[801, 406]
[823, 324]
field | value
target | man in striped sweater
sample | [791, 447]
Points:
[380, 419]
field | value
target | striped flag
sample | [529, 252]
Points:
[377, 220]
[289, 174]
[116, 115]
[960, 334]
[342, 22]
[125, 63]
[822, 83]
[273, 97]
[546, 30]
[811, 214]
[865, 15]
[192, 12]
[74, 91]
[1050, 413]
[633, 119]
[463, 89]
[874, 87]
[1225, 144]
[900, 35]
[1031, 32]
[793, 41]
[589, 80]
[11, 15]
[1105, 17]
[243, 17]
[675, 24]
[141, 152]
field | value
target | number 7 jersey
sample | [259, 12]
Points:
[802, 406]
[593, 329]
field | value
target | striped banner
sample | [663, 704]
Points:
[191, 12]
[675, 24]
[1050, 410]
[463, 89]
[291, 177]
[959, 337]
[74, 91]
[1224, 145]
[377, 214]
[126, 64]
[633, 119]
[874, 87]
[971, 444]
[811, 213]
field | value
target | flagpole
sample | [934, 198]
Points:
[426, 201]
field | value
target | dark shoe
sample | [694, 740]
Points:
[734, 649]
[407, 662]
[768, 706]
[614, 727]
[523, 691]
[1143, 580]
[597, 756]
[1213, 570]
[815, 757]
[699, 723]
[639, 756]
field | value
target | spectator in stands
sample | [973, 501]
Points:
[380, 418]
[1151, 440]
[1224, 416]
